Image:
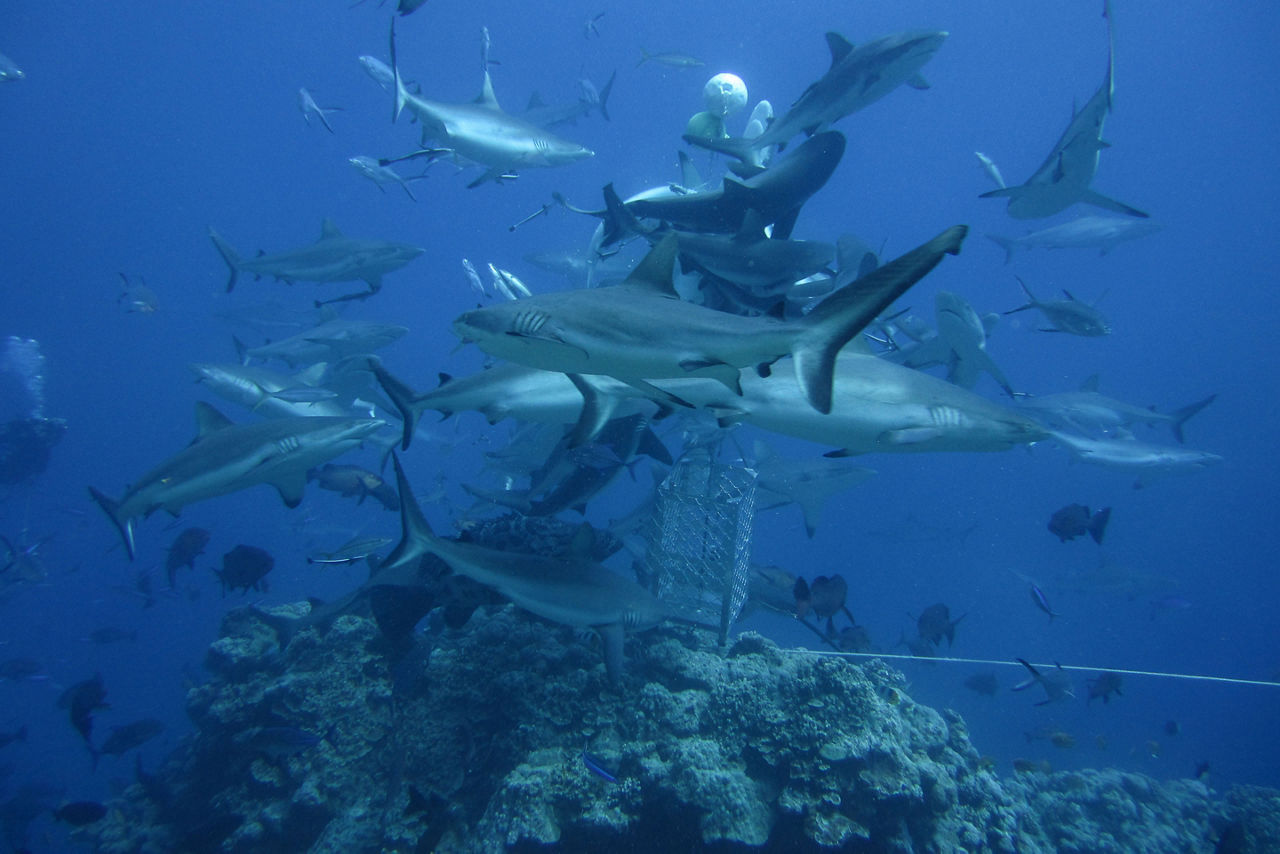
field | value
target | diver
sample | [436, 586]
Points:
[26, 435]
[726, 94]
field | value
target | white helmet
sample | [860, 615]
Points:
[725, 94]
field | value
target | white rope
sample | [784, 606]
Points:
[994, 662]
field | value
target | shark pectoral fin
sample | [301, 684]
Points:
[728, 417]
[651, 446]
[917, 81]
[597, 410]
[290, 488]
[841, 452]
[715, 369]
[1098, 200]
[910, 435]
[612, 638]
[1003, 192]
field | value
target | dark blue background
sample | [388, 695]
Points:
[140, 124]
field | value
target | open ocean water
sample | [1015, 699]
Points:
[138, 126]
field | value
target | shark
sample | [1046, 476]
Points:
[808, 483]
[1148, 461]
[482, 132]
[1064, 178]
[227, 457]
[575, 592]
[9, 70]
[878, 406]
[775, 195]
[590, 99]
[641, 330]
[960, 344]
[858, 77]
[752, 261]
[333, 258]
[1068, 315]
[1088, 411]
[330, 341]
[1103, 233]
[265, 391]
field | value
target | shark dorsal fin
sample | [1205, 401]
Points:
[535, 101]
[486, 96]
[655, 270]
[752, 228]
[209, 420]
[858, 345]
[689, 177]
[328, 230]
[840, 47]
[1090, 383]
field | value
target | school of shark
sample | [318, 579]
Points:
[692, 320]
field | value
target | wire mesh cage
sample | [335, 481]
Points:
[699, 539]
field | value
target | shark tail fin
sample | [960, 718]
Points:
[397, 82]
[845, 313]
[1098, 526]
[229, 255]
[112, 508]
[1180, 416]
[618, 221]
[604, 96]
[416, 540]
[736, 147]
[1005, 243]
[406, 401]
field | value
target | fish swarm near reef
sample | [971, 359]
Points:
[478, 745]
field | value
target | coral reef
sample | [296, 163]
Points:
[476, 740]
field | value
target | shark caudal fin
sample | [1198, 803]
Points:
[1180, 416]
[401, 566]
[845, 313]
[112, 509]
[405, 399]
[228, 254]
[396, 82]
[603, 106]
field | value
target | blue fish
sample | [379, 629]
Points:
[1042, 602]
[594, 766]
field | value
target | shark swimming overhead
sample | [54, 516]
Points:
[960, 343]
[1063, 179]
[1103, 233]
[1087, 411]
[480, 131]
[775, 195]
[330, 341]
[577, 592]
[227, 457]
[858, 77]
[333, 258]
[1148, 461]
[641, 330]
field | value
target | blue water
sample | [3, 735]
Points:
[137, 126]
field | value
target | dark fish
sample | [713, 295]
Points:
[80, 813]
[596, 767]
[985, 684]
[1172, 727]
[1104, 685]
[245, 567]
[827, 596]
[8, 738]
[1042, 602]
[935, 623]
[184, 550]
[125, 738]
[854, 638]
[20, 668]
[803, 598]
[1075, 520]
[348, 481]
[82, 700]
[111, 634]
